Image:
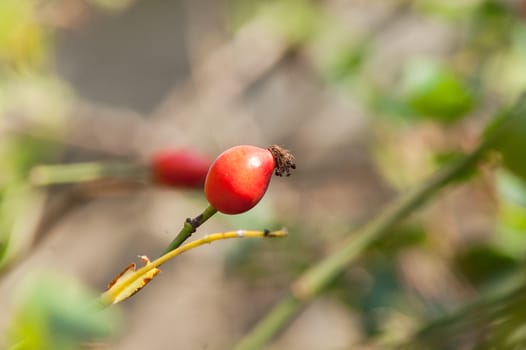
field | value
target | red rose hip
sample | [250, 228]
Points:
[180, 168]
[239, 177]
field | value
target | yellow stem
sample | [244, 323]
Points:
[109, 296]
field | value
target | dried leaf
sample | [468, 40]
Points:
[127, 283]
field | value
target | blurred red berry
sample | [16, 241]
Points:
[522, 9]
[180, 168]
[239, 177]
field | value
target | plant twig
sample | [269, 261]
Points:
[189, 227]
[119, 286]
[43, 175]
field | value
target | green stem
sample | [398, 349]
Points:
[280, 315]
[43, 175]
[189, 227]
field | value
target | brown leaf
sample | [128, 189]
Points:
[127, 283]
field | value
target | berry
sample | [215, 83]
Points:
[180, 168]
[239, 177]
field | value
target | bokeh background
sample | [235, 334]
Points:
[371, 96]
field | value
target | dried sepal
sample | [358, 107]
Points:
[127, 282]
[284, 160]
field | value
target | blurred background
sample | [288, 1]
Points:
[371, 96]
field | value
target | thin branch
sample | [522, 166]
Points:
[43, 175]
[189, 227]
[124, 285]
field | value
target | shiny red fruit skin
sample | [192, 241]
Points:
[182, 168]
[238, 178]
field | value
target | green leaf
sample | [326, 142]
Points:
[60, 314]
[295, 20]
[20, 212]
[346, 63]
[401, 238]
[22, 39]
[484, 263]
[434, 91]
[507, 134]
[446, 9]
[511, 224]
